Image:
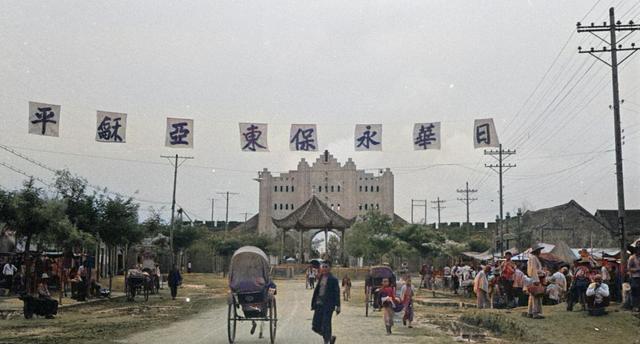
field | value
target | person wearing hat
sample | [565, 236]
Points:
[580, 283]
[536, 274]
[326, 300]
[50, 306]
[633, 266]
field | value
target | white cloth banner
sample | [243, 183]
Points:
[253, 137]
[303, 137]
[484, 134]
[426, 136]
[44, 119]
[368, 137]
[111, 127]
[179, 133]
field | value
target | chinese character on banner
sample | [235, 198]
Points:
[368, 137]
[253, 137]
[426, 136]
[484, 134]
[179, 133]
[111, 127]
[303, 137]
[44, 119]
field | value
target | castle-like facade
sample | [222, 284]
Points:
[348, 191]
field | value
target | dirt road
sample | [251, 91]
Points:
[294, 325]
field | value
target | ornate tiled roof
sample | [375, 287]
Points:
[313, 214]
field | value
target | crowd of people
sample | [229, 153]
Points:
[592, 284]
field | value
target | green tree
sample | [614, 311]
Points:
[372, 238]
[225, 245]
[118, 225]
[478, 245]
[33, 217]
[80, 207]
[423, 239]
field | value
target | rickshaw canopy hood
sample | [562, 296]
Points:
[381, 272]
[249, 270]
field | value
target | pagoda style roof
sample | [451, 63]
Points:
[313, 214]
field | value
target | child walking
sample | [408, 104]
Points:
[346, 287]
[389, 302]
[406, 292]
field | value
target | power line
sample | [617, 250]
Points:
[226, 217]
[467, 200]
[173, 199]
[500, 155]
[419, 203]
[613, 28]
[17, 170]
[53, 170]
[438, 207]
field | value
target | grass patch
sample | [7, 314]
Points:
[499, 324]
[558, 326]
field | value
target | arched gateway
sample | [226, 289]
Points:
[314, 215]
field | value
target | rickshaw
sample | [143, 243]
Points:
[372, 283]
[138, 282]
[252, 292]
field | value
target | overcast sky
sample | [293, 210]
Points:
[334, 63]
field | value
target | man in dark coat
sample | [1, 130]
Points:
[326, 299]
[174, 280]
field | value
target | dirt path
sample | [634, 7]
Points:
[294, 326]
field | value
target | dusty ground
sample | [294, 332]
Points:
[203, 320]
[351, 326]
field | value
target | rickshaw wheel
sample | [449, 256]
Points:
[367, 298]
[231, 322]
[273, 320]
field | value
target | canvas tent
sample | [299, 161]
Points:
[563, 252]
[480, 256]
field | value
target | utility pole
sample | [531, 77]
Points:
[173, 200]
[438, 207]
[467, 199]
[500, 155]
[419, 203]
[213, 205]
[613, 27]
[226, 216]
